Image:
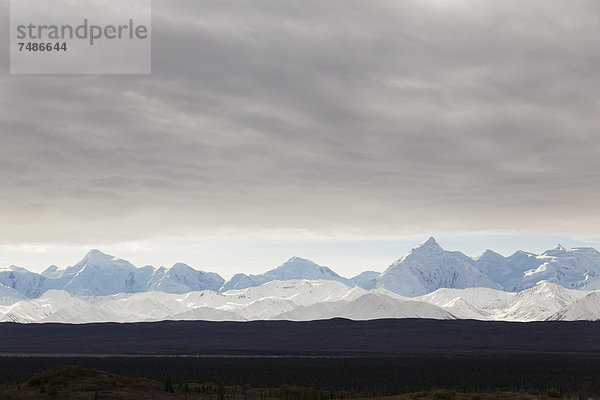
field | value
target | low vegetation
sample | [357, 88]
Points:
[258, 378]
[73, 382]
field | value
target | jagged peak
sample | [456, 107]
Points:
[297, 262]
[96, 258]
[239, 275]
[51, 270]
[558, 250]
[297, 259]
[296, 265]
[489, 254]
[97, 255]
[545, 286]
[429, 244]
[181, 266]
[425, 248]
[521, 254]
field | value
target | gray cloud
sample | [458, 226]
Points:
[375, 117]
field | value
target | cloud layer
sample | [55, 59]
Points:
[379, 117]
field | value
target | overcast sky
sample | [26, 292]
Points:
[312, 122]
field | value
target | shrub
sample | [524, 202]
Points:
[553, 393]
[443, 394]
[168, 386]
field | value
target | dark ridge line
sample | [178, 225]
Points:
[334, 336]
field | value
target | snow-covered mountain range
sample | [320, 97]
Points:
[303, 300]
[429, 267]
[294, 268]
[428, 282]
[99, 274]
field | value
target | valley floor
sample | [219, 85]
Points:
[469, 377]
[72, 382]
[315, 360]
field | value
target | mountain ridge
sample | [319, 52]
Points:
[429, 267]
[423, 270]
[305, 300]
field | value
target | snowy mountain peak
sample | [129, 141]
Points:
[428, 248]
[294, 268]
[181, 267]
[297, 266]
[586, 308]
[545, 287]
[520, 254]
[366, 280]
[555, 252]
[489, 256]
[181, 278]
[96, 257]
[12, 268]
[298, 261]
[50, 270]
[430, 244]
[424, 269]
[428, 268]
[546, 296]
